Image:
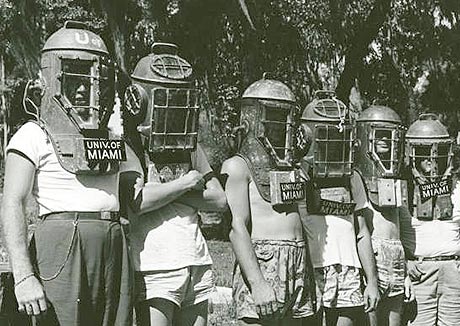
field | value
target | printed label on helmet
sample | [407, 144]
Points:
[434, 189]
[82, 37]
[97, 150]
[329, 207]
[292, 191]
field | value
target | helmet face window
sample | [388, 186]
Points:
[385, 146]
[432, 160]
[333, 156]
[276, 126]
[89, 86]
[174, 119]
[78, 87]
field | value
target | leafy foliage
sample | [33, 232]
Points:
[403, 53]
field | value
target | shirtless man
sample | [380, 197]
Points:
[378, 159]
[269, 280]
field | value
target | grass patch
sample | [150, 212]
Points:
[222, 257]
[223, 260]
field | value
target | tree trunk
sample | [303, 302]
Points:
[358, 47]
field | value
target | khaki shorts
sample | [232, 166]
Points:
[340, 286]
[282, 263]
[185, 286]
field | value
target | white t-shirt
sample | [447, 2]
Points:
[57, 190]
[433, 238]
[332, 238]
[169, 237]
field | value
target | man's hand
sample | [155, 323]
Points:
[371, 297]
[30, 296]
[265, 300]
[414, 271]
[193, 180]
[409, 294]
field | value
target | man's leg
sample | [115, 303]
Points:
[155, 312]
[449, 287]
[194, 315]
[161, 294]
[345, 316]
[426, 294]
[394, 305]
[388, 312]
[314, 320]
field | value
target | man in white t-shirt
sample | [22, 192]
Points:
[430, 230]
[76, 270]
[340, 242]
[174, 277]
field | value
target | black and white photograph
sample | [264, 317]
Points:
[229, 162]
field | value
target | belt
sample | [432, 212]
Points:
[436, 258]
[104, 215]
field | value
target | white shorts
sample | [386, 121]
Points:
[185, 286]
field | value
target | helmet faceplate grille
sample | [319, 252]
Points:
[87, 85]
[174, 123]
[432, 161]
[333, 155]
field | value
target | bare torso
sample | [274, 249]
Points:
[267, 223]
[386, 223]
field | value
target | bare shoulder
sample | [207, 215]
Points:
[235, 167]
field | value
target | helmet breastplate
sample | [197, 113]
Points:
[260, 165]
[330, 197]
[433, 201]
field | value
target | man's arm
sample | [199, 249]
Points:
[366, 256]
[408, 240]
[237, 191]
[364, 243]
[406, 231]
[154, 195]
[19, 178]
[212, 198]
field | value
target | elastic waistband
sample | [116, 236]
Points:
[299, 242]
[104, 215]
[436, 258]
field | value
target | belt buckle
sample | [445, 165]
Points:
[105, 215]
